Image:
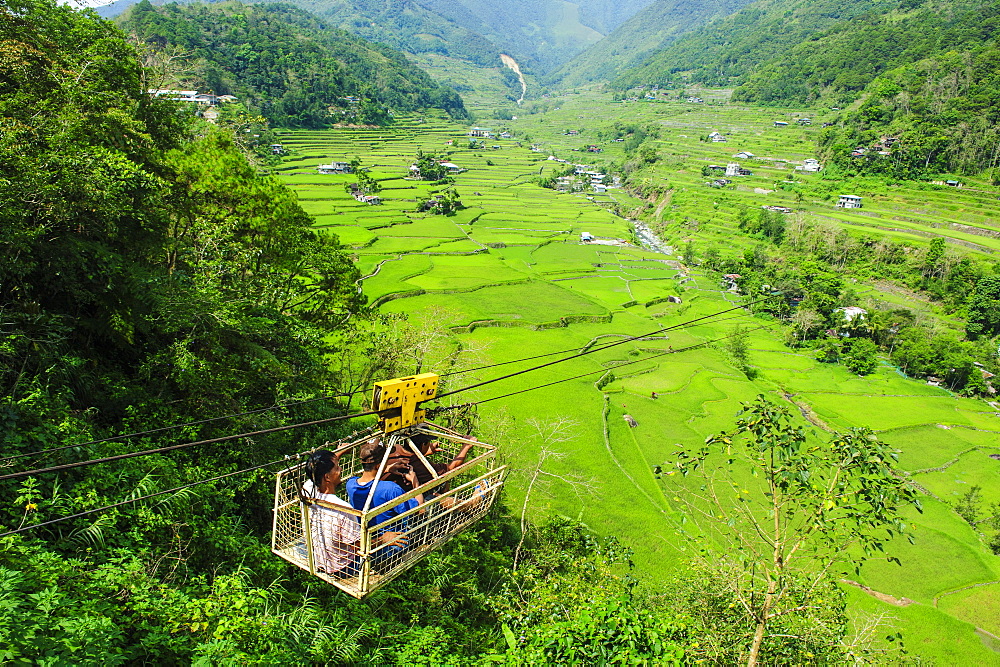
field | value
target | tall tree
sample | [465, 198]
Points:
[788, 510]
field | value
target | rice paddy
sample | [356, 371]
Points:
[509, 277]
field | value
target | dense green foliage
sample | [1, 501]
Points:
[810, 265]
[540, 34]
[729, 49]
[639, 38]
[287, 65]
[939, 115]
[796, 51]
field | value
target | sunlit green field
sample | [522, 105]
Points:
[509, 278]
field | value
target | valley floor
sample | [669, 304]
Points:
[508, 277]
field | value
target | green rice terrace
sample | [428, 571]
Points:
[508, 276]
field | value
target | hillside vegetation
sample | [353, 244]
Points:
[540, 34]
[639, 38]
[285, 64]
[936, 115]
[793, 51]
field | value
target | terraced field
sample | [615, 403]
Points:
[509, 277]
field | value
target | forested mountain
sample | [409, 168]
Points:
[940, 114]
[540, 34]
[285, 64]
[794, 51]
[725, 51]
[640, 37]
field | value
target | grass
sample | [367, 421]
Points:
[511, 266]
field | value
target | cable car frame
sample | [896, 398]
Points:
[454, 500]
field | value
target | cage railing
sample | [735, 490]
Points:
[452, 500]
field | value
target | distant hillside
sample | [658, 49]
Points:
[839, 62]
[941, 114]
[288, 65]
[726, 50]
[540, 34]
[640, 37]
[793, 51]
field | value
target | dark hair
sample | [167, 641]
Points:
[319, 463]
[371, 454]
[421, 440]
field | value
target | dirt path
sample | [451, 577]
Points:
[512, 64]
[899, 602]
[667, 196]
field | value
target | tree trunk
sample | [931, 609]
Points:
[758, 635]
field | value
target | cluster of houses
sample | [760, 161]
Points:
[361, 196]
[583, 176]
[192, 96]
[450, 166]
[880, 147]
[334, 168]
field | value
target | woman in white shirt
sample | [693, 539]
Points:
[335, 535]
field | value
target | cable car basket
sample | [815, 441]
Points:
[348, 548]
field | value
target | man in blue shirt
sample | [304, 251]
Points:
[393, 537]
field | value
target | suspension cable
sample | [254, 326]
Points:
[119, 457]
[135, 500]
[593, 350]
[140, 434]
[159, 450]
[571, 349]
[606, 370]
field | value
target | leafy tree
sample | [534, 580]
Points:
[284, 64]
[861, 357]
[828, 351]
[809, 508]
[738, 346]
[984, 308]
[430, 167]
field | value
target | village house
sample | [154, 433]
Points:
[809, 165]
[277, 149]
[505, 135]
[720, 182]
[777, 209]
[717, 137]
[744, 155]
[730, 281]
[849, 201]
[734, 169]
[193, 96]
[780, 123]
[805, 121]
[481, 133]
[451, 167]
[334, 168]
[695, 100]
[851, 313]
[586, 237]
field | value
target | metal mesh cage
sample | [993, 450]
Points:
[348, 548]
